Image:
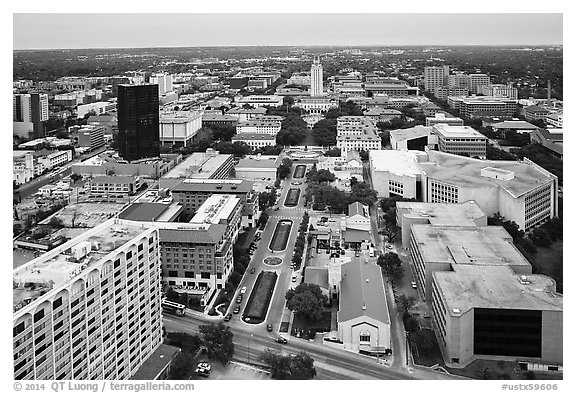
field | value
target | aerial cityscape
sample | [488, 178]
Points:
[275, 212]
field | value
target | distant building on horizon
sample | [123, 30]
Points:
[138, 122]
[30, 111]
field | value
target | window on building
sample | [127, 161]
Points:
[365, 336]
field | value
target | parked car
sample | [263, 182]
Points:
[253, 270]
[236, 310]
[342, 252]
[239, 299]
[203, 369]
[293, 278]
[281, 340]
[227, 317]
[413, 284]
[357, 254]
[276, 208]
[269, 327]
[243, 291]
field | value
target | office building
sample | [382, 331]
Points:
[479, 106]
[316, 79]
[396, 172]
[435, 77]
[535, 112]
[521, 191]
[444, 117]
[52, 158]
[138, 122]
[95, 108]
[259, 125]
[30, 111]
[179, 128]
[492, 312]
[462, 140]
[391, 87]
[442, 93]
[221, 209]
[218, 119]
[208, 165]
[91, 136]
[89, 309]
[192, 193]
[466, 214]
[245, 114]
[113, 188]
[497, 90]
[316, 105]
[22, 166]
[519, 126]
[439, 248]
[555, 119]
[255, 140]
[475, 81]
[356, 133]
[164, 82]
[257, 167]
[258, 101]
[551, 138]
[413, 138]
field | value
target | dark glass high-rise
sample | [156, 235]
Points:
[138, 121]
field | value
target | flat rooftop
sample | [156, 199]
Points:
[398, 162]
[85, 214]
[213, 185]
[179, 116]
[215, 209]
[259, 162]
[448, 131]
[151, 211]
[198, 165]
[455, 169]
[457, 214]
[490, 245]
[156, 363]
[410, 133]
[253, 136]
[497, 287]
[56, 267]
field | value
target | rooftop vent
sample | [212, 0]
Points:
[364, 307]
[456, 310]
[496, 173]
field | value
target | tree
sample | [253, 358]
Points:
[540, 237]
[320, 176]
[284, 169]
[510, 226]
[391, 265]
[423, 340]
[404, 304]
[75, 177]
[306, 300]
[334, 152]
[217, 339]
[188, 343]
[234, 278]
[263, 220]
[56, 222]
[223, 132]
[181, 366]
[300, 366]
[361, 192]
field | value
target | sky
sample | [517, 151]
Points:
[92, 30]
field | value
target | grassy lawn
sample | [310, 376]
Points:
[549, 261]
[322, 325]
[260, 297]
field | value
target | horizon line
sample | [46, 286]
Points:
[295, 45]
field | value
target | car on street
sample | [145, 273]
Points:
[389, 246]
[296, 183]
[357, 254]
[203, 369]
[236, 310]
[276, 208]
[253, 270]
[413, 283]
[293, 278]
[243, 291]
[342, 252]
[281, 340]
[269, 327]
[227, 317]
[239, 299]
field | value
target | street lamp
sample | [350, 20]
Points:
[249, 339]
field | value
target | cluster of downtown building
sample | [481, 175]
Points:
[90, 308]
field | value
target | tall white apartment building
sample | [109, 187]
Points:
[164, 82]
[29, 111]
[435, 77]
[477, 80]
[90, 308]
[316, 83]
